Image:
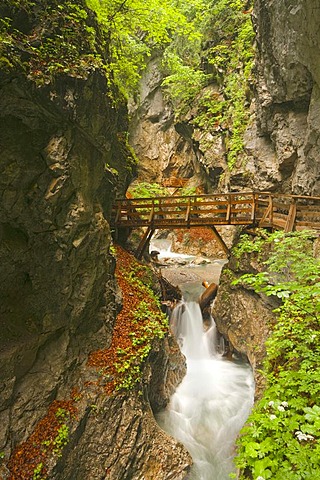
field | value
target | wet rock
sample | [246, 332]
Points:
[243, 317]
[58, 294]
[118, 437]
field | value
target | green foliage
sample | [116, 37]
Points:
[231, 58]
[61, 439]
[58, 38]
[62, 414]
[62, 436]
[148, 190]
[228, 60]
[66, 38]
[135, 29]
[281, 438]
[37, 473]
[188, 191]
[112, 250]
[182, 83]
[248, 245]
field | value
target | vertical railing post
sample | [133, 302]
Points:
[187, 216]
[289, 227]
[271, 210]
[151, 216]
[254, 207]
[228, 215]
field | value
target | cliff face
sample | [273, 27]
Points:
[164, 150]
[281, 141]
[64, 157]
[56, 287]
[285, 146]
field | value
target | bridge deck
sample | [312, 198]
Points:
[263, 209]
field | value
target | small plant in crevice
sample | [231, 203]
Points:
[281, 439]
[38, 472]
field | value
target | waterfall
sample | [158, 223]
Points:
[213, 401]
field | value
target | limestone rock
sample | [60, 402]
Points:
[58, 293]
[162, 151]
[287, 100]
[244, 317]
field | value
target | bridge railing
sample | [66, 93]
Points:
[288, 212]
[231, 208]
[265, 209]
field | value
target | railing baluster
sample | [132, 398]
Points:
[228, 215]
[235, 208]
[187, 216]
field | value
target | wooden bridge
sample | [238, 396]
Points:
[255, 209]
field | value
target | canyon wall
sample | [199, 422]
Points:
[281, 141]
[64, 158]
[165, 150]
[283, 145]
[57, 286]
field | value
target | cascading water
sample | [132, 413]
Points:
[212, 402]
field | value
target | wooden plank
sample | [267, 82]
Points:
[220, 209]
[266, 215]
[309, 224]
[187, 216]
[291, 218]
[311, 213]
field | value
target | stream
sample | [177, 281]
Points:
[214, 399]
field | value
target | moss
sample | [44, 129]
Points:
[230, 58]
[49, 37]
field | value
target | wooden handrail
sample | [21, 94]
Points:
[263, 209]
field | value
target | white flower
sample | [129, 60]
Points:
[272, 417]
[260, 478]
[284, 404]
[303, 436]
[281, 408]
[271, 403]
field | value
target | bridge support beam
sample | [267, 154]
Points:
[220, 240]
[144, 242]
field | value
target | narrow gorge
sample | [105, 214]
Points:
[107, 100]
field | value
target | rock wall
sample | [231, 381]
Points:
[60, 146]
[242, 316]
[56, 280]
[283, 143]
[164, 150]
[117, 436]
